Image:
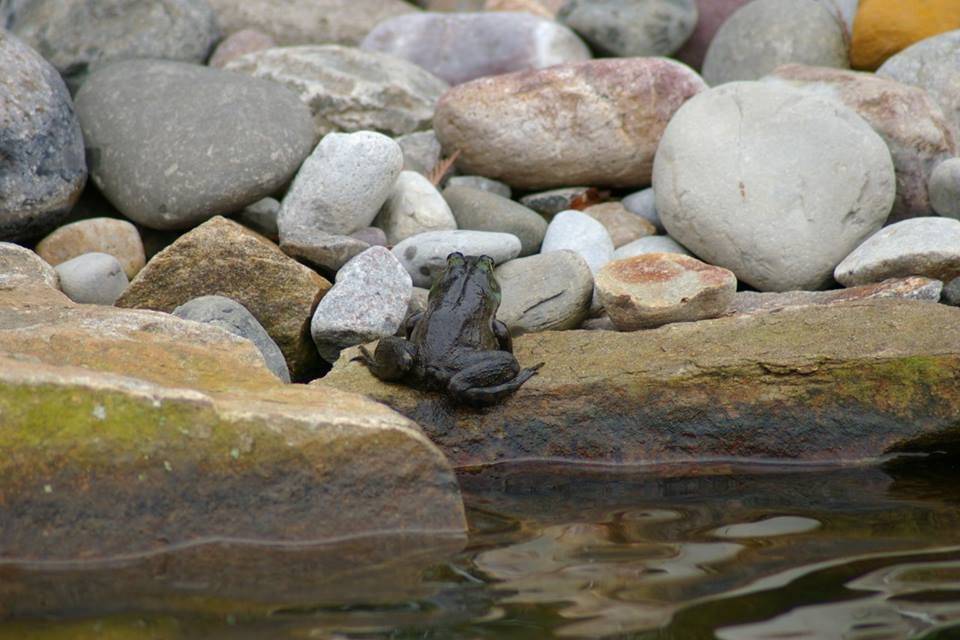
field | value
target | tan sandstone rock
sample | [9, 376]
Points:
[221, 257]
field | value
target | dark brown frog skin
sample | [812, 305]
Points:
[457, 345]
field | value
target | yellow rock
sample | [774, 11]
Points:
[884, 27]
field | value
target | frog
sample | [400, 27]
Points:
[456, 345]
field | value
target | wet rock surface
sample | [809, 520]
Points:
[809, 385]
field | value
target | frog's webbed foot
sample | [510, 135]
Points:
[494, 376]
[393, 359]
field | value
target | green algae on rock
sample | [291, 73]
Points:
[837, 384]
[103, 465]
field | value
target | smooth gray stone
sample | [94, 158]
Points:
[931, 64]
[325, 250]
[459, 47]
[944, 188]
[928, 247]
[425, 255]
[296, 22]
[414, 206]
[650, 244]
[552, 202]
[627, 28]
[545, 292]
[261, 216]
[342, 185]
[172, 144]
[484, 211]
[229, 314]
[421, 151]
[80, 36]
[92, 278]
[578, 232]
[348, 89]
[643, 203]
[368, 301]
[772, 183]
[481, 183]
[764, 34]
[42, 165]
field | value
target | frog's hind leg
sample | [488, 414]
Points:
[393, 359]
[491, 378]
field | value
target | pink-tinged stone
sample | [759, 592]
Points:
[914, 288]
[533, 7]
[597, 122]
[713, 13]
[654, 289]
[915, 128]
[459, 47]
[240, 43]
[622, 225]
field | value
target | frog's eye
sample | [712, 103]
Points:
[455, 258]
[486, 263]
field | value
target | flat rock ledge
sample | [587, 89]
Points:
[130, 433]
[839, 384]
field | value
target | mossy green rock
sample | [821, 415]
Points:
[131, 432]
[835, 384]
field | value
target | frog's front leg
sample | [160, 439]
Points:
[491, 377]
[394, 359]
[503, 336]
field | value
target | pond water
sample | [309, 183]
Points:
[852, 554]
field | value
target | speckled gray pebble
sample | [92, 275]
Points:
[342, 185]
[483, 211]
[425, 255]
[92, 278]
[373, 236]
[368, 301]
[944, 188]
[42, 166]
[545, 292]
[627, 28]
[951, 293]
[173, 144]
[481, 183]
[80, 36]
[643, 203]
[928, 247]
[321, 249]
[232, 316]
[579, 232]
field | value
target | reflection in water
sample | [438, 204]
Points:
[852, 554]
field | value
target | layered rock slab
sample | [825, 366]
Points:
[833, 384]
[133, 432]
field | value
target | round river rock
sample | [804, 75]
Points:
[172, 144]
[726, 190]
[596, 123]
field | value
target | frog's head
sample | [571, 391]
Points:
[469, 274]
